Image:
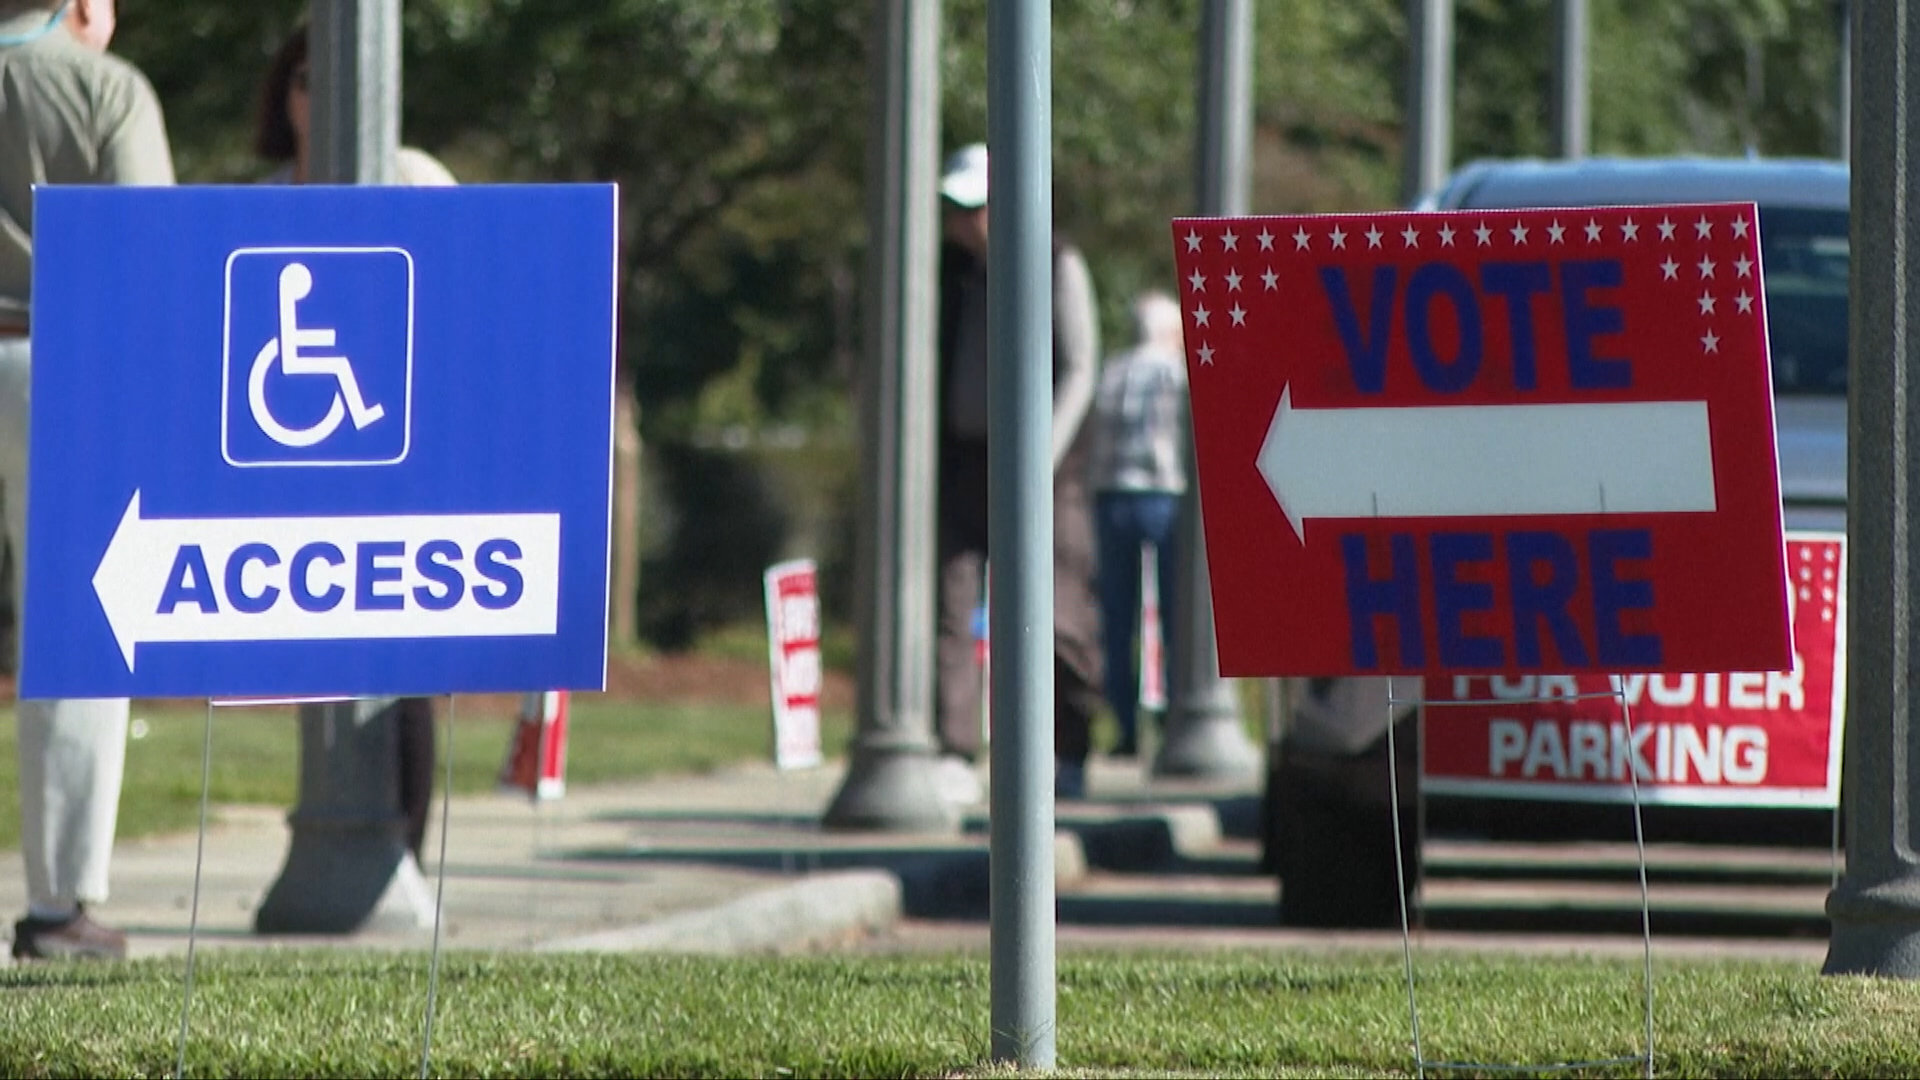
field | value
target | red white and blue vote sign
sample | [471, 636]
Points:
[1486, 441]
[293, 441]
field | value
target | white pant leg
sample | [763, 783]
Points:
[14, 361]
[72, 752]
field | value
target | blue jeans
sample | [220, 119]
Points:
[1126, 520]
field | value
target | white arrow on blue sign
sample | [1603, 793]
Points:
[351, 441]
[313, 579]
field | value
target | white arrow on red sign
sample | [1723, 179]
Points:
[1460, 460]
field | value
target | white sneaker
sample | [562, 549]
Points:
[959, 785]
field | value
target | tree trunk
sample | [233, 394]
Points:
[624, 622]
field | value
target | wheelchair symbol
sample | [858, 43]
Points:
[288, 347]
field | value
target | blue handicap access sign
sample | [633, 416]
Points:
[293, 441]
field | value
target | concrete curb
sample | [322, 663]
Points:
[937, 885]
[957, 884]
[784, 916]
[1147, 838]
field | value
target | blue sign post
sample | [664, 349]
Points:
[302, 441]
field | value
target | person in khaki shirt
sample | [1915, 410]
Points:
[69, 114]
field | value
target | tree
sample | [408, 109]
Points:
[723, 122]
[735, 129]
[708, 113]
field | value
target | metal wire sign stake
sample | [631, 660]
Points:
[199, 863]
[1421, 1062]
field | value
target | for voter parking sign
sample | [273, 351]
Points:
[1486, 441]
[1752, 738]
[315, 440]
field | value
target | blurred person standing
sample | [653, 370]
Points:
[1139, 474]
[281, 138]
[69, 114]
[961, 529]
[285, 112]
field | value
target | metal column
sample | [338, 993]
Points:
[1843, 88]
[1020, 528]
[1204, 734]
[1428, 142]
[348, 867]
[1571, 124]
[354, 58]
[890, 780]
[1876, 907]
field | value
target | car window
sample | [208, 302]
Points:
[1804, 254]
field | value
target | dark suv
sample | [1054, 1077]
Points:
[1330, 835]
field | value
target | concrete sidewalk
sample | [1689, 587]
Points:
[514, 879]
[726, 862]
[735, 861]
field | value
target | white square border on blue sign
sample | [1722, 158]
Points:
[226, 360]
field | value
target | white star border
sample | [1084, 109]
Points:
[1714, 250]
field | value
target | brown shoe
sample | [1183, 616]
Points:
[77, 937]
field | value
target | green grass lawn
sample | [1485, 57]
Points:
[312, 1014]
[256, 753]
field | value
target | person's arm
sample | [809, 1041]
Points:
[1077, 337]
[1101, 419]
[133, 145]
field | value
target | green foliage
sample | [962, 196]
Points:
[1329, 92]
[736, 130]
[206, 61]
[1703, 76]
[1698, 76]
[726, 124]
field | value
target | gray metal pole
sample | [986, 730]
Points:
[354, 61]
[1875, 908]
[1429, 120]
[1843, 120]
[1204, 735]
[889, 782]
[1020, 528]
[348, 866]
[1570, 118]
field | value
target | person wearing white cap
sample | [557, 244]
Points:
[962, 519]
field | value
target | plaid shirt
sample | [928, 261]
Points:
[1140, 422]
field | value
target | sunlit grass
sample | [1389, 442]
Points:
[310, 1014]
